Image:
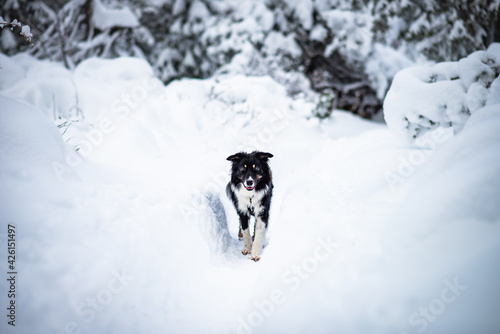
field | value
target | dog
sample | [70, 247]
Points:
[250, 190]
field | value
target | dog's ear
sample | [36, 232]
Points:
[235, 157]
[264, 156]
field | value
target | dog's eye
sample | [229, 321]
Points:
[253, 166]
[245, 166]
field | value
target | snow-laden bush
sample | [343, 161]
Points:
[443, 95]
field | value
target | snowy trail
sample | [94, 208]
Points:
[139, 237]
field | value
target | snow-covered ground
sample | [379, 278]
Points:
[133, 233]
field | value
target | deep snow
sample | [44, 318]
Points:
[133, 234]
[423, 98]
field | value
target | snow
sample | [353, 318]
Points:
[424, 98]
[198, 10]
[303, 9]
[351, 30]
[27, 137]
[26, 32]
[10, 71]
[133, 232]
[105, 18]
[382, 65]
[276, 43]
[318, 33]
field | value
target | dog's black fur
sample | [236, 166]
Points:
[250, 190]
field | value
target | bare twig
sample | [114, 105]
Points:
[79, 110]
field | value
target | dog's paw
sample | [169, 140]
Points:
[255, 258]
[245, 251]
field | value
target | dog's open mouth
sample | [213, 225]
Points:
[249, 188]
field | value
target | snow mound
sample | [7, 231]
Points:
[27, 138]
[106, 18]
[452, 206]
[123, 68]
[444, 95]
[474, 157]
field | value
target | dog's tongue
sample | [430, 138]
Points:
[249, 188]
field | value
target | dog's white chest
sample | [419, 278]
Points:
[249, 201]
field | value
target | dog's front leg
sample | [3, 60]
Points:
[247, 240]
[259, 237]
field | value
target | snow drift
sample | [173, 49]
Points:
[138, 236]
[444, 95]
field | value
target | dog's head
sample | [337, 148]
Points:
[250, 169]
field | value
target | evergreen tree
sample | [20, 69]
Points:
[439, 30]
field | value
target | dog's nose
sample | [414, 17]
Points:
[249, 183]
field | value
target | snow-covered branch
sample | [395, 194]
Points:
[25, 29]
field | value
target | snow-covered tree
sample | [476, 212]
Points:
[71, 31]
[438, 29]
[336, 45]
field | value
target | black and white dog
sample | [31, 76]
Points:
[250, 190]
